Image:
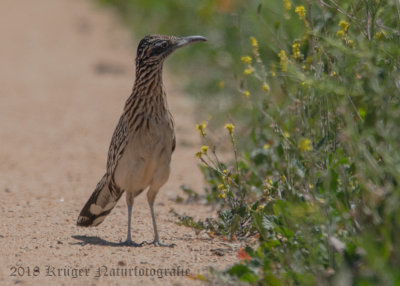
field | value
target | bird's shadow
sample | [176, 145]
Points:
[93, 240]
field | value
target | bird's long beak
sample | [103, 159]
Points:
[184, 41]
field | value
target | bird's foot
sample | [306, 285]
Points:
[130, 242]
[158, 243]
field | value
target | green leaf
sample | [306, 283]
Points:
[239, 270]
[266, 223]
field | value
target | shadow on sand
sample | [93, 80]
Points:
[94, 240]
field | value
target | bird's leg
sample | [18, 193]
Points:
[156, 242]
[129, 242]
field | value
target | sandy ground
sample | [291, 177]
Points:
[66, 69]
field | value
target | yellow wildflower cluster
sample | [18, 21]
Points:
[266, 146]
[380, 35]
[284, 61]
[344, 26]
[266, 87]
[296, 50]
[301, 12]
[268, 184]
[246, 59]
[340, 33]
[305, 145]
[350, 43]
[287, 5]
[248, 70]
[245, 93]
[286, 134]
[230, 127]
[204, 149]
[201, 128]
[273, 70]
[222, 191]
[222, 195]
[254, 42]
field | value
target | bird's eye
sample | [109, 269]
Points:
[163, 44]
[159, 48]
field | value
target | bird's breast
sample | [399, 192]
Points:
[147, 153]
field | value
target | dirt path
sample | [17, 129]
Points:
[66, 69]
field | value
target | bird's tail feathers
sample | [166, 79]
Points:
[99, 205]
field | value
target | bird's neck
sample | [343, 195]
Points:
[148, 95]
[148, 77]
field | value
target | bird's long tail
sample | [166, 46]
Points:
[100, 204]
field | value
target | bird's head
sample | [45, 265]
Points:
[154, 49]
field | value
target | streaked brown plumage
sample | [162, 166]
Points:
[143, 141]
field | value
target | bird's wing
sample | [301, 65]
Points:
[172, 125]
[107, 193]
[117, 146]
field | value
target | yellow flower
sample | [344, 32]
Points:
[350, 43]
[245, 93]
[286, 134]
[273, 70]
[260, 208]
[254, 42]
[221, 84]
[303, 67]
[266, 87]
[340, 33]
[379, 35]
[268, 184]
[248, 71]
[344, 25]
[198, 154]
[310, 186]
[267, 146]
[222, 190]
[246, 59]
[296, 50]
[301, 11]
[305, 144]
[204, 149]
[230, 127]
[287, 5]
[333, 74]
[283, 60]
[201, 128]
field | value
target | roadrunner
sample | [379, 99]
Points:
[143, 141]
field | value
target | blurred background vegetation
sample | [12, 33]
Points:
[310, 92]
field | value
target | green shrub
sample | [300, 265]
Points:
[318, 181]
